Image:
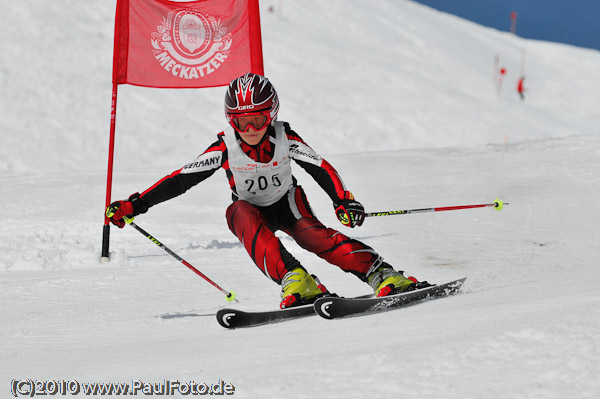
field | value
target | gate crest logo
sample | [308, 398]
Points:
[189, 44]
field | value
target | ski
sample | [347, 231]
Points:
[233, 318]
[331, 307]
[336, 307]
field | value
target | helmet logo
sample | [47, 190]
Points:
[190, 44]
[245, 92]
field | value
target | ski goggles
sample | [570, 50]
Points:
[258, 121]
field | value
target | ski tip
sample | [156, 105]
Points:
[225, 317]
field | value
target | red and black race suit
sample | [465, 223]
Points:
[255, 223]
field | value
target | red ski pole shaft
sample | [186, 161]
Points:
[498, 204]
[230, 295]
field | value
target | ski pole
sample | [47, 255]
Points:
[230, 295]
[498, 204]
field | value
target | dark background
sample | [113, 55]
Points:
[575, 22]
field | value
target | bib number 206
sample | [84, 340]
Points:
[261, 183]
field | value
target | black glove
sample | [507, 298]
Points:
[350, 212]
[121, 212]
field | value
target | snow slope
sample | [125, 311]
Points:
[400, 99]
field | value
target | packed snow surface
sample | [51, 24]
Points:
[405, 103]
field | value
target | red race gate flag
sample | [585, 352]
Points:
[205, 43]
[166, 44]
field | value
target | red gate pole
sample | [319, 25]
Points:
[111, 146]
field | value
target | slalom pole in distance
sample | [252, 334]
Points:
[230, 295]
[498, 204]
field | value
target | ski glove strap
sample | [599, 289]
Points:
[350, 212]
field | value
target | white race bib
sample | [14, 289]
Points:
[261, 184]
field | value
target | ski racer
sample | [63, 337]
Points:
[256, 153]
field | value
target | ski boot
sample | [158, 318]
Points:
[299, 288]
[386, 281]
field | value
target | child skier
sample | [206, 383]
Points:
[256, 153]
